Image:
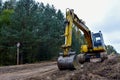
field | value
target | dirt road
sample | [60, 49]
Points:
[22, 72]
[107, 70]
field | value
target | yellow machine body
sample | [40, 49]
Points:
[95, 43]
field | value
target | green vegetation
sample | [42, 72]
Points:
[110, 49]
[78, 40]
[37, 27]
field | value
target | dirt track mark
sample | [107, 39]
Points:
[35, 70]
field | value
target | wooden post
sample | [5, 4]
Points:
[18, 45]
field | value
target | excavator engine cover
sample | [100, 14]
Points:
[68, 62]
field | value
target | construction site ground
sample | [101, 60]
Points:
[107, 70]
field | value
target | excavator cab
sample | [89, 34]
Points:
[98, 39]
[98, 42]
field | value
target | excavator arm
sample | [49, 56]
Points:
[71, 18]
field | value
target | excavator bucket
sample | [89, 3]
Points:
[68, 62]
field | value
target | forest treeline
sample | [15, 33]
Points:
[38, 29]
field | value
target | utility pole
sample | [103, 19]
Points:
[18, 45]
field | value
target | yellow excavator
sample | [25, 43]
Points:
[95, 47]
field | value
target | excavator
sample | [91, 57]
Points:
[94, 47]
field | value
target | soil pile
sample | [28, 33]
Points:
[107, 70]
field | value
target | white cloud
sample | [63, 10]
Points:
[91, 11]
[101, 15]
[112, 38]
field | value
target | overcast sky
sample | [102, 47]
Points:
[101, 15]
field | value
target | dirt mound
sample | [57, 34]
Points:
[107, 70]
